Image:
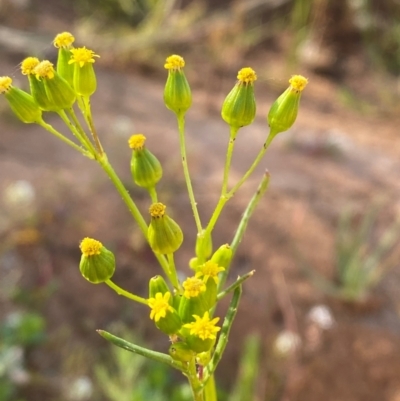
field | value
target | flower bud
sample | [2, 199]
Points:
[59, 92]
[97, 262]
[193, 301]
[222, 256]
[85, 82]
[164, 234]
[164, 315]
[145, 167]
[22, 104]
[200, 335]
[181, 352]
[177, 94]
[204, 246]
[157, 284]
[63, 42]
[239, 107]
[283, 112]
[37, 88]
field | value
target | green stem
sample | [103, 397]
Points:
[59, 135]
[131, 206]
[231, 145]
[194, 382]
[173, 275]
[262, 187]
[89, 120]
[136, 349]
[223, 337]
[236, 284]
[153, 194]
[126, 294]
[257, 160]
[181, 128]
[210, 390]
[77, 130]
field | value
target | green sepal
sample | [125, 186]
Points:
[223, 256]
[158, 284]
[177, 93]
[170, 324]
[98, 268]
[181, 352]
[210, 294]
[23, 105]
[38, 92]
[193, 306]
[164, 235]
[59, 92]
[64, 68]
[85, 83]
[195, 343]
[145, 168]
[239, 107]
[283, 112]
[204, 247]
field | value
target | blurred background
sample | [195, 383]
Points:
[321, 318]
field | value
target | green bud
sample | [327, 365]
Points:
[64, 68]
[22, 104]
[200, 335]
[97, 262]
[158, 284]
[164, 234]
[239, 107]
[193, 263]
[283, 112]
[181, 352]
[85, 82]
[170, 324]
[145, 167]
[165, 316]
[177, 94]
[204, 246]
[223, 256]
[59, 92]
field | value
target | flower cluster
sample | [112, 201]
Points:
[182, 310]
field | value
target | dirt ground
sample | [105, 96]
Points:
[332, 158]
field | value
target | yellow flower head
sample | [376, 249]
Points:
[203, 327]
[174, 62]
[298, 83]
[247, 75]
[137, 141]
[159, 306]
[5, 84]
[81, 56]
[90, 246]
[28, 65]
[157, 210]
[193, 286]
[44, 69]
[209, 269]
[64, 39]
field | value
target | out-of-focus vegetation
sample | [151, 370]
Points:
[364, 252]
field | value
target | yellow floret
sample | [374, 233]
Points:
[298, 82]
[209, 269]
[159, 306]
[28, 65]
[81, 56]
[137, 141]
[5, 84]
[247, 75]
[44, 69]
[203, 327]
[193, 286]
[157, 210]
[64, 39]
[90, 246]
[174, 62]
